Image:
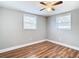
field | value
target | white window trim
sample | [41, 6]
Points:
[62, 16]
[28, 15]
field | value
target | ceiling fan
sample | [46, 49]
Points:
[50, 5]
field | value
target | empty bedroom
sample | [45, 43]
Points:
[39, 29]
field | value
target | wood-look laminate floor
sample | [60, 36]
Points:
[42, 50]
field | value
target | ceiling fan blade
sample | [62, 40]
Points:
[53, 9]
[42, 9]
[57, 3]
[42, 3]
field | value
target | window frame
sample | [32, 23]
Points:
[28, 15]
[70, 21]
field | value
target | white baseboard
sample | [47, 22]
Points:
[20, 46]
[66, 45]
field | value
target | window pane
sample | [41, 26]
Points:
[29, 22]
[64, 21]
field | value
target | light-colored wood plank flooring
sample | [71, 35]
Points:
[42, 50]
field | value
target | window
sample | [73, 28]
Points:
[64, 21]
[29, 22]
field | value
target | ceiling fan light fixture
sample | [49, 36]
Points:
[49, 9]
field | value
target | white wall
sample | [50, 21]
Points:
[12, 33]
[65, 36]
